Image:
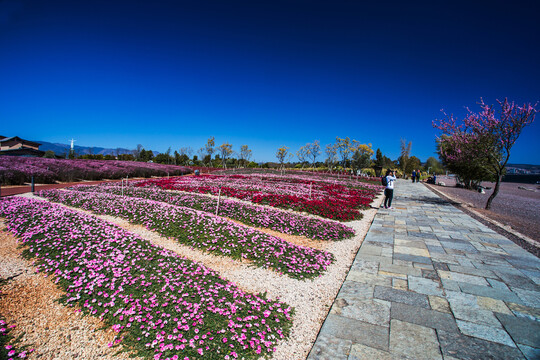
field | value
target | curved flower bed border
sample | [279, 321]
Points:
[253, 215]
[204, 231]
[330, 200]
[162, 306]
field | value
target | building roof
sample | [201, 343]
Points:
[18, 138]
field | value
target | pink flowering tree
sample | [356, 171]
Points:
[458, 154]
[483, 140]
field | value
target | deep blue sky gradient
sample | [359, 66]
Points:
[261, 73]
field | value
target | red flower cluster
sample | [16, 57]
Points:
[329, 199]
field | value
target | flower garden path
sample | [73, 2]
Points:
[430, 282]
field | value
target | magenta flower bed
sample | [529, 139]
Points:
[16, 170]
[329, 199]
[204, 231]
[258, 216]
[162, 306]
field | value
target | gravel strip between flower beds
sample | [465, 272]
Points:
[311, 299]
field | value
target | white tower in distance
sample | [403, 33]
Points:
[72, 141]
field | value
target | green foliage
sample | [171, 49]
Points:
[182, 159]
[126, 157]
[379, 161]
[413, 163]
[92, 157]
[49, 154]
[434, 166]
[146, 155]
[360, 161]
[469, 171]
[230, 163]
[164, 159]
[368, 171]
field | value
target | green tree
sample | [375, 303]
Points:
[49, 154]
[379, 158]
[163, 158]
[413, 163]
[126, 157]
[360, 161]
[470, 171]
[146, 155]
[433, 166]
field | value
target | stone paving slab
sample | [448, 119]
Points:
[430, 282]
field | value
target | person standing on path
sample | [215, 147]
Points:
[389, 191]
[413, 175]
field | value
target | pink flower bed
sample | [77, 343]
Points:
[283, 221]
[15, 170]
[162, 306]
[204, 231]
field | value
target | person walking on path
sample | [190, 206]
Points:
[417, 175]
[413, 175]
[389, 191]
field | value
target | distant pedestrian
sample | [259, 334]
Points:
[389, 191]
[413, 176]
[418, 173]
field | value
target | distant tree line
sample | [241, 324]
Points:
[345, 155]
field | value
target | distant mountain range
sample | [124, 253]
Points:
[62, 149]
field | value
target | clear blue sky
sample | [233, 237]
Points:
[261, 73]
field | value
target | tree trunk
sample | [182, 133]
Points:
[495, 192]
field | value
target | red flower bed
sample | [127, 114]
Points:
[329, 199]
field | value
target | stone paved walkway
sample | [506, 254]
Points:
[430, 282]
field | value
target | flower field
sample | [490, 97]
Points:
[253, 215]
[203, 231]
[160, 304]
[339, 200]
[15, 170]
